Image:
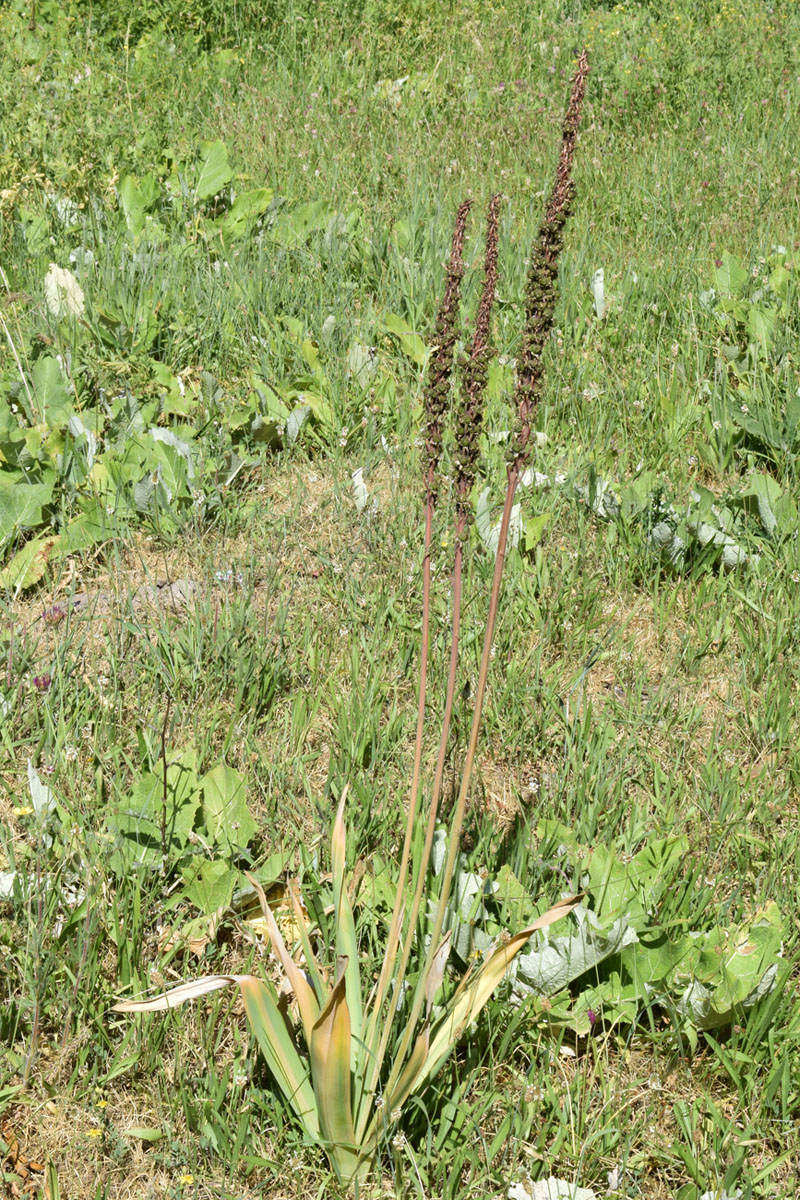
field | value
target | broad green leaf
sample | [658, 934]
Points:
[310, 352]
[294, 327]
[730, 277]
[91, 527]
[225, 813]
[761, 326]
[173, 468]
[632, 889]
[515, 898]
[182, 777]
[321, 409]
[764, 494]
[52, 394]
[138, 820]
[29, 564]
[533, 531]
[294, 226]
[213, 170]
[144, 1133]
[209, 885]
[132, 203]
[20, 507]
[499, 380]
[246, 209]
[177, 399]
[36, 230]
[779, 280]
[362, 364]
[410, 341]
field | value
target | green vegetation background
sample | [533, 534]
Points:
[256, 201]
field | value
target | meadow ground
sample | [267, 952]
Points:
[254, 207]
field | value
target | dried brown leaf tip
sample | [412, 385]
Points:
[437, 392]
[540, 296]
[470, 411]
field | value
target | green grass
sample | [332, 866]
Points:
[629, 697]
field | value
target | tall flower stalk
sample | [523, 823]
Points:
[436, 407]
[468, 422]
[331, 1067]
[540, 305]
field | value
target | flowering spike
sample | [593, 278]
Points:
[470, 412]
[437, 393]
[540, 295]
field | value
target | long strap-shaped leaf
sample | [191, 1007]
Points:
[267, 1025]
[330, 1071]
[419, 1055]
[306, 1000]
[178, 995]
[346, 947]
[320, 984]
[470, 998]
[280, 1053]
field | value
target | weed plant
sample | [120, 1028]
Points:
[641, 691]
[335, 1080]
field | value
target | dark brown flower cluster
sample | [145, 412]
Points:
[437, 393]
[469, 417]
[540, 296]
